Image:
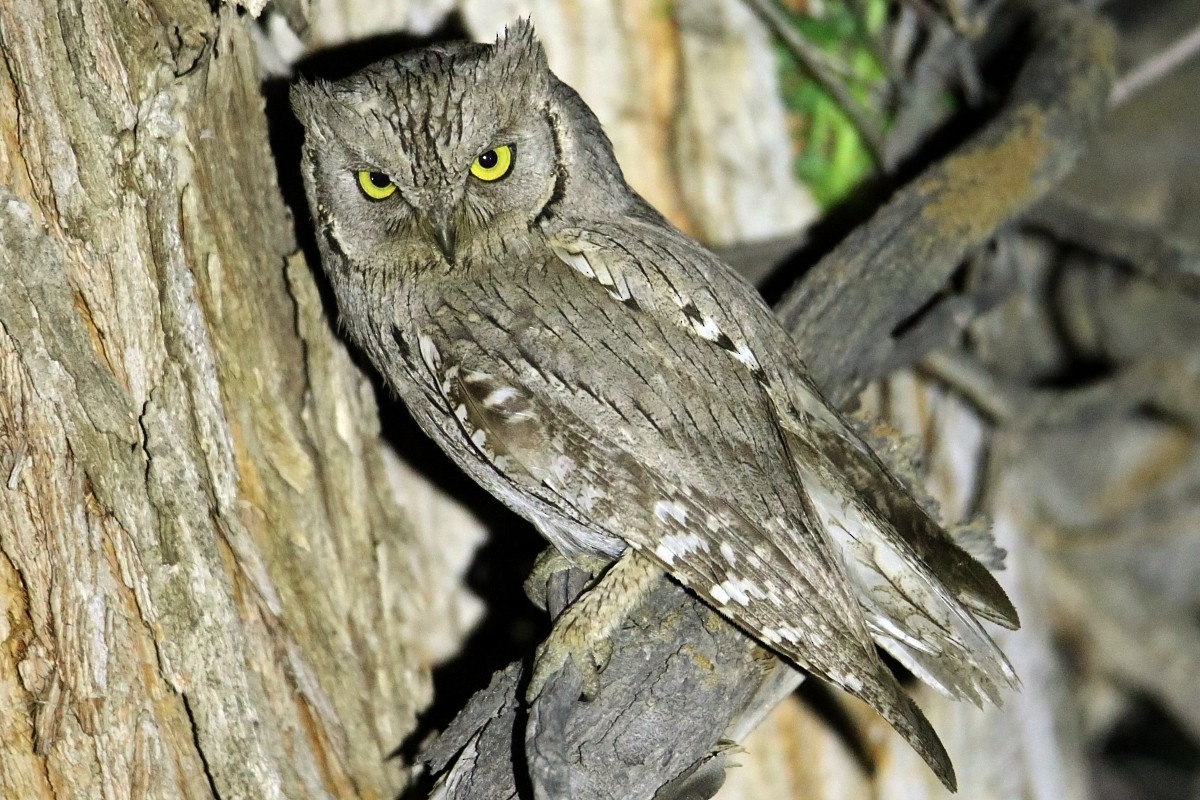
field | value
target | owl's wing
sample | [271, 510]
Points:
[617, 426]
[909, 611]
[859, 471]
[917, 587]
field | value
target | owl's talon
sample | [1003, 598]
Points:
[583, 633]
[573, 639]
[602, 652]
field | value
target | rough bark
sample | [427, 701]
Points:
[218, 580]
[210, 587]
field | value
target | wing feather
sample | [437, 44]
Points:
[823, 437]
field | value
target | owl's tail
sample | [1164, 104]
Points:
[909, 576]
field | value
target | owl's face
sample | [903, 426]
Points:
[427, 158]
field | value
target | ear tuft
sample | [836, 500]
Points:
[519, 45]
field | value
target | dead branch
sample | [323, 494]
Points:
[1155, 68]
[845, 311]
[1167, 261]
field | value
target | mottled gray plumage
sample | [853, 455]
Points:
[611, 380]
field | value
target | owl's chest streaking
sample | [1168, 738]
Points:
[457, 346]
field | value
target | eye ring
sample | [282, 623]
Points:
[375, 185]
[493, 164]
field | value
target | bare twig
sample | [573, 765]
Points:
[1155, 68]
[902, 42]
[1165, 260]
[920, 109]
[1170, 386]
[844, 312]
[876, 45]
[814, 61]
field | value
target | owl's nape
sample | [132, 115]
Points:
[615, 383]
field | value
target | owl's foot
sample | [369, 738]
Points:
[578, 639]
[583, 634]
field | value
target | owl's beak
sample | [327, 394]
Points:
[441, 228]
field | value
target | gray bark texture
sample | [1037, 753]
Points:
[209, 587]
[218, 578]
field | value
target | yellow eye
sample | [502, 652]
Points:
[375, 185]
[492, 165]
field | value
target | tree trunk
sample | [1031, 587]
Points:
[211, 584]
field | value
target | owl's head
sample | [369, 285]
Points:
[426, 155]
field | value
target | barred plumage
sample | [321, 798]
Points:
[614, 382]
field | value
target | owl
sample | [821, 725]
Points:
[615, 383]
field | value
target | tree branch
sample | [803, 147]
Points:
[844, 313]
[1166, 261]
[1157, 67]
[813, 60]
